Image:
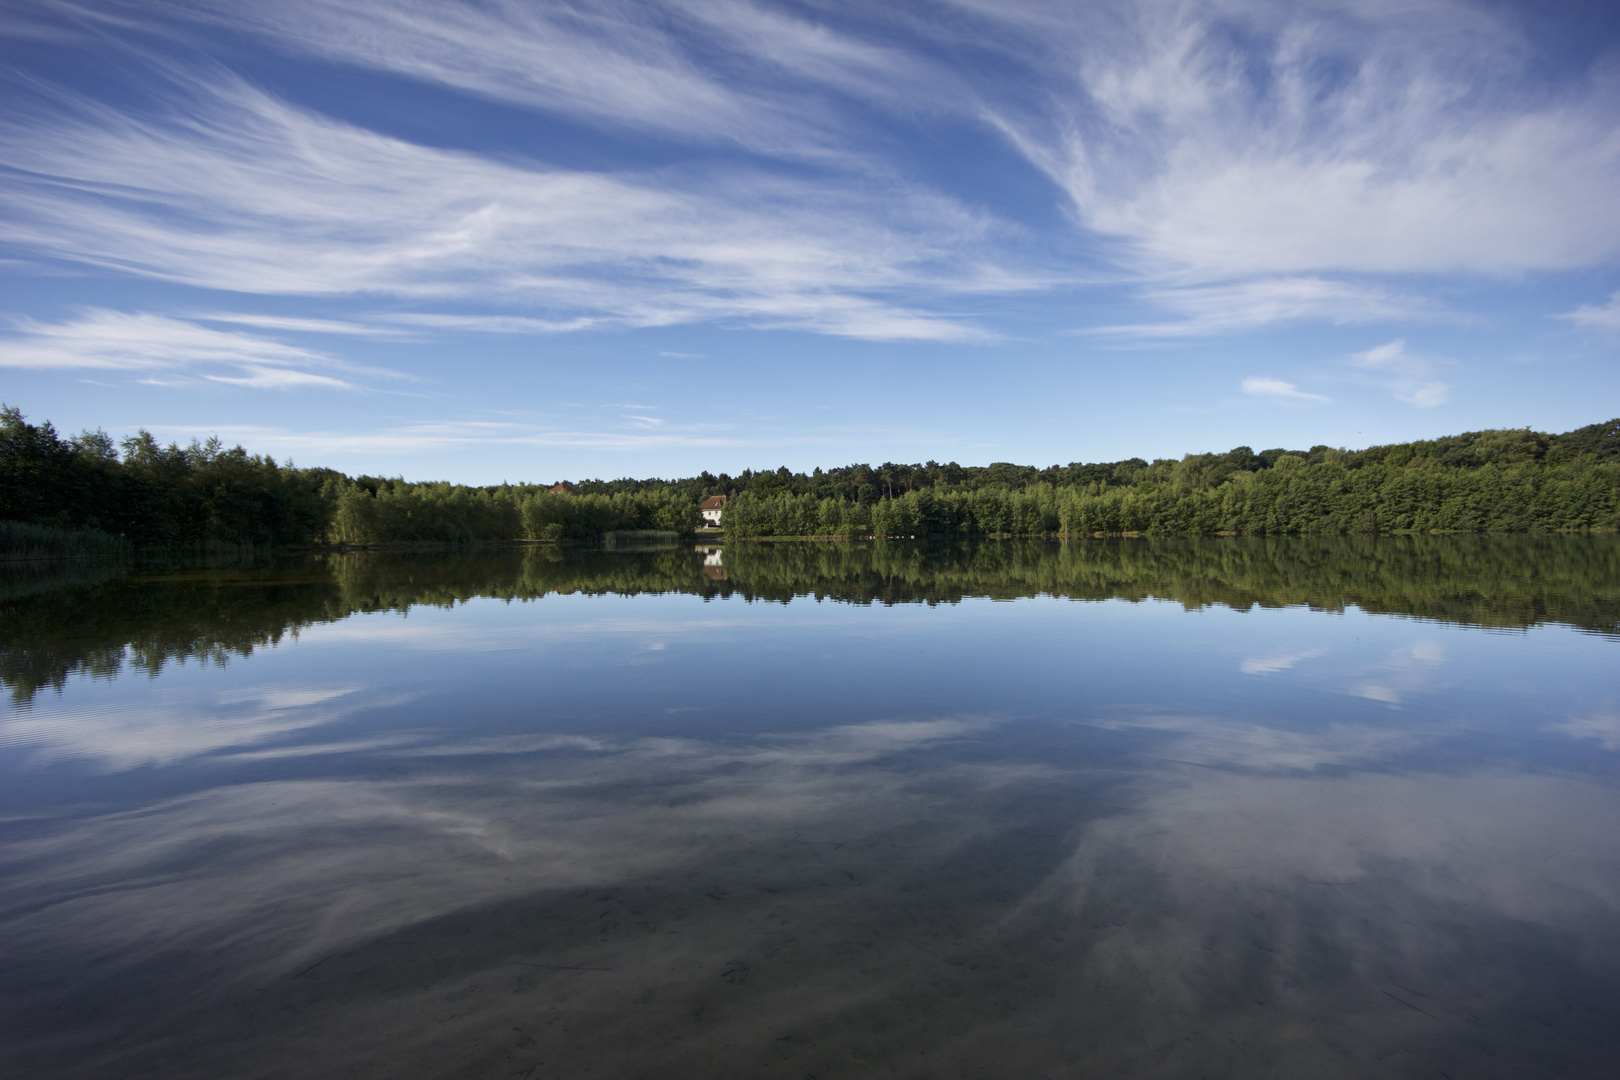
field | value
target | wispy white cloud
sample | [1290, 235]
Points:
[1599, 316]
[705, 70]
[1410, 378]
[168, 351]
[245, 192]
[1277, 390]
[1257, 138]
[1240, 162]
[1274, 156]
[119, 340]
[1241, 305]
[441, 436]
[343, 327]
[263, 378]
[491, 324]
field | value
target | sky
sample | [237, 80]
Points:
[524, 241]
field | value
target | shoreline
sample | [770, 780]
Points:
[674, 540]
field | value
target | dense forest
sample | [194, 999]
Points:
[1483, 481]
[100, 618]
[86, 494]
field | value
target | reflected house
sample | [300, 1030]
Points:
[712, 568]
[711, 509]
[563, 487]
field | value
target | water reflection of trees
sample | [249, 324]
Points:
[100, 622]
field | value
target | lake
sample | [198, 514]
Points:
[1132, 808]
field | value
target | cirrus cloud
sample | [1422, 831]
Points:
[1410, 378]
[241, 191]
[1235, 163]
[1597, 316]
[160, 347]
[1277, 390]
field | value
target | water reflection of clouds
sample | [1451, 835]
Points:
[1603, 729]
[848, 743]
[838, 745]
[1531, 847]
[1409, 669]
[178, 723]
[185, 722]
[1406, 670]
[1178, 901]
[1270, 665]
[1250, 862]
[427, 633]
[341, 860]
[1412, 921]
[1218, 741]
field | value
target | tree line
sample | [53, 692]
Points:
[1483, 481]
[85, 493]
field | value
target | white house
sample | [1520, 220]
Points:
[711, 509]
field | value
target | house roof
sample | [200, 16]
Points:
[713, 502]
[564, 487]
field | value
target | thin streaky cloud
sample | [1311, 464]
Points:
[703, 71]
[1597, 316]
[452, 186]
[279, 200]
[296, 324]
[265, 378]
[432, 437]
[1408, 377]
[438, 436]
[115, 340]
[602, 65]
[169, 351]
[1265, 152]
[1241, 305]
[491, 324]
[1278, 390]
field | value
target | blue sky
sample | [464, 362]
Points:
[529, 241]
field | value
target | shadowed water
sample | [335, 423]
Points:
[1140, 808]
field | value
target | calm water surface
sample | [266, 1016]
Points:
[1225, 808]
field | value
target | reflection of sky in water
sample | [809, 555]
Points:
[652, 835]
